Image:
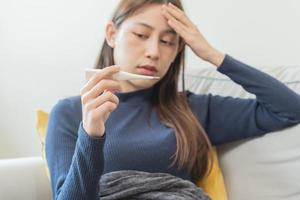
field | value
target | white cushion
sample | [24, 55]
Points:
[262, 168]
[24, 178]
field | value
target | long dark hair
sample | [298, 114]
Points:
[171, 106]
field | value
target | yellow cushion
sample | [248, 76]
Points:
[41, 126]
[213, 184]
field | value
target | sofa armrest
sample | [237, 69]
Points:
[263, 168]
[24, 178]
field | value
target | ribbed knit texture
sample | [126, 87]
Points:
[135, 139]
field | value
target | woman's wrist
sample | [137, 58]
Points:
[215, 57]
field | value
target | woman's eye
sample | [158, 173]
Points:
[167, 42]
[140, 35]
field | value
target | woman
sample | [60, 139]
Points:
[147, 125]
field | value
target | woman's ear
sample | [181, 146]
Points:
[110, 34]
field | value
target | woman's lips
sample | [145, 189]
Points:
[146, 71]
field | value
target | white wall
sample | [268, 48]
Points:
[46, 45]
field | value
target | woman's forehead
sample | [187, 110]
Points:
[151, 27]
[149, 16]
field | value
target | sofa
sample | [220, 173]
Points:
[261, 168]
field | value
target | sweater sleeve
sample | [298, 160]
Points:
[75, 159]
[229, 119]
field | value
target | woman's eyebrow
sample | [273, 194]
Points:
[148, 26]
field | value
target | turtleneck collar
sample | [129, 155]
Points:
[137, 96]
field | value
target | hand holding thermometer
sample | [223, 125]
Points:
[120, 76]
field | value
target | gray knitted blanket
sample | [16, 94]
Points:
[134, 185]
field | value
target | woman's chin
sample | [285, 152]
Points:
[143, 84]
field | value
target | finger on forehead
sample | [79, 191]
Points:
[178, 14]
[175, 7]
[178, 27]
[105, 73]
[167, 15]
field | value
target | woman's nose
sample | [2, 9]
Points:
[152, 50]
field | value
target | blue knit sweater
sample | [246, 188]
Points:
[135, 139]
